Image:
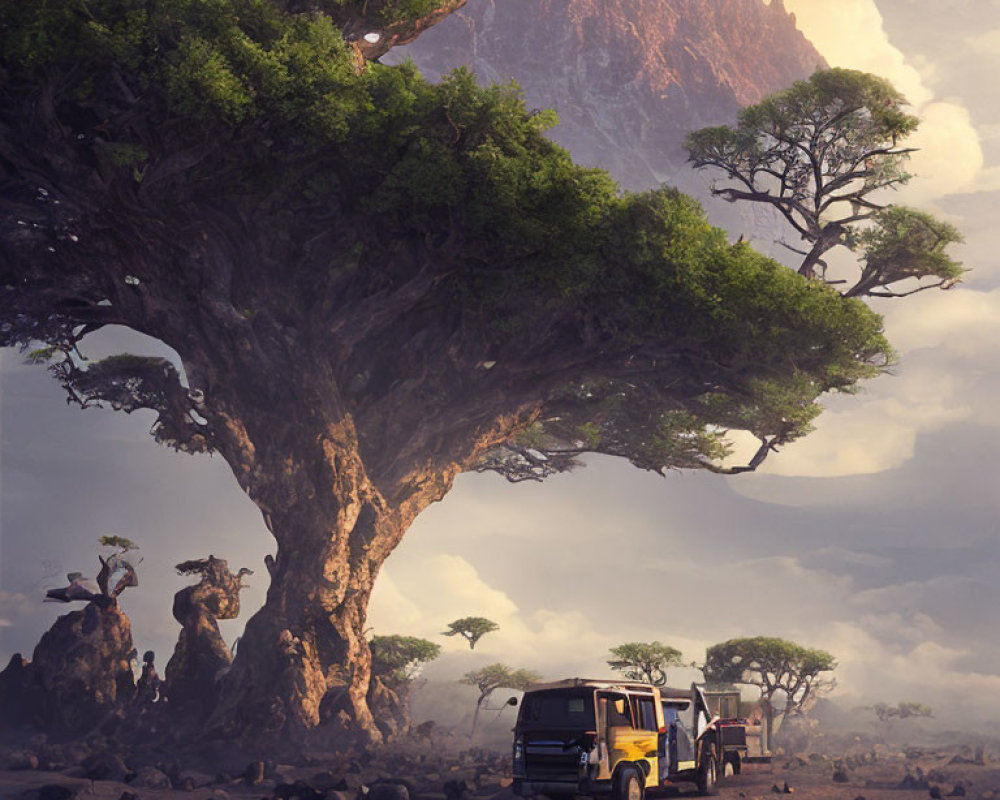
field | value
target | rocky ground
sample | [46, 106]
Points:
[422, 770]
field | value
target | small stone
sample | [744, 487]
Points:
[254, 773]
[388, 791]
[22, 759]
[841, 776]
[935, 792]
[151, 778]
[54, 791]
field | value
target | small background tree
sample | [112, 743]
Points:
[904, 709]
[776, 667]
[472, 629]
[645, 661]
[398, 659]
[820, 153]
[495, 676]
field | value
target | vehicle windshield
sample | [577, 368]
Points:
[573, 708]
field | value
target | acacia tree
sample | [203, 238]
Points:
[904, 709]
[372, 284]
[398, 659]
[645, 661]
[472, 629]
[776, 667]
[821, 153]
[496, 676]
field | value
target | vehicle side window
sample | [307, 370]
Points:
[647, 714]
[619, 712]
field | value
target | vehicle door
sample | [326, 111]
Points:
[625, 742]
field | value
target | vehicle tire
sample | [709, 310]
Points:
[729, 769]
[628, 785]
[708, 774]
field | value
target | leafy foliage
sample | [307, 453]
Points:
[776, 666]
[645, 661]
[398, 658]
[819, 152]
[120, 543]
[472, 629]
[496, 676]
[902, 710]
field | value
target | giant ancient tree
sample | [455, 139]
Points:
[372, 285]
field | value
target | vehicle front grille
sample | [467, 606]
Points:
[551, 763]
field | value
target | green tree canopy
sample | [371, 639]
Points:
[904, 709]
[497, 676]
[398, 658]
[775, 666]
[372, 284]
[821, 153]
[472, 629]
[645, 661]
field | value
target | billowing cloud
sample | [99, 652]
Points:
[891, 640]
[851, 34]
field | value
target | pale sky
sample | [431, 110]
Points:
[876, 537]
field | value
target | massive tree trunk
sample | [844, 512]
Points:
[334, 529]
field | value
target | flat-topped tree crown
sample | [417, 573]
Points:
[373, 284]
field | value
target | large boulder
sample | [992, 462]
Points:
[79, 673]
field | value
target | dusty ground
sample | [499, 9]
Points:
[931, 775]
[813, 780]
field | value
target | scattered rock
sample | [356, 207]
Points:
[388, 791]
[300, 790]
[105, 767]
[128, 796]
[957, 791]
[196, 779]
[22, 759]
[151, 778]
[935, 792]
[456, 790]
[841, 776]
[54, 791]
[254, 773]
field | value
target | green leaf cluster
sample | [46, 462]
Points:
[765, 661]
[644, 661]
[397, 658]
[472, 629]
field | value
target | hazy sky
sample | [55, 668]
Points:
[876, 537]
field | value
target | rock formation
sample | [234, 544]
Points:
[201, 654]
[629, 78]
[81, 668]
[83, 665]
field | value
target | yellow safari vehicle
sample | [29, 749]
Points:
[620, 738]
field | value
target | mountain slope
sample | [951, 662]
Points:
[629, 78]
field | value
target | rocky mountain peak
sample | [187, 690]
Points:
[629, 78]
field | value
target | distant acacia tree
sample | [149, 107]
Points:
[905, 709]
[822, 153]
[398, 659]
[645, 661]
[472, 629]
[776, 667]
[495, 676]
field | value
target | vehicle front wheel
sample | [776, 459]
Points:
[628, 785]
[707, 775]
